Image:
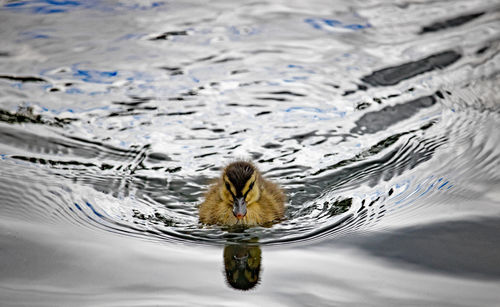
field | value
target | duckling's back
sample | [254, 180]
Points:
[272, 201]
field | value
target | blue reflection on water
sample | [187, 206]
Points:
[78, 206]
[94, 210]
[325, 24]
[54, 7]
[43, 6]
[417, 192]
[95, 76]
[33, 35]
[73, 91]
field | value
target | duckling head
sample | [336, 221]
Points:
[240, 187]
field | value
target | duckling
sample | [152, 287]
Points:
[242, 196]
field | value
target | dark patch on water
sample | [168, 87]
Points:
[450, 23]
[176, 113]
[376, 121]
[156, 157]
[362, 105]
[239, 71]
[272, 99]
[228, 59]
[205, 155]
[394, 75]
[136, 101]
[23, 79]
[26, 115]
[238, 132]
[272, 145]
[263, 113]
[469, 247]
[156, 218]
[302, 137]
[288, 93]
[173, 71]
[251, 105]
[482, 50]
[168, 35]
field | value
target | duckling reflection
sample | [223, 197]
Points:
[242, 196]
[242, 266]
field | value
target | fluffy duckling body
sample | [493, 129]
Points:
[242, 196]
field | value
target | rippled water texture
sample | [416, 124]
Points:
[380, 120]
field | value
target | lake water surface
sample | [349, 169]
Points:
[380, 119]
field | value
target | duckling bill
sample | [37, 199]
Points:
[242, 196]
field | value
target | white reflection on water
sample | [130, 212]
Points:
[61, 265]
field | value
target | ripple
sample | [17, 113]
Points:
[139, 192]
[165, 209]
[362, 122]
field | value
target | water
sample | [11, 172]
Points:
[379, 119]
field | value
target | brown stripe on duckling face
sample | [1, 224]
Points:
[229, 186]
[249, 185]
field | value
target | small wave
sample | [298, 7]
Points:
[155, 209]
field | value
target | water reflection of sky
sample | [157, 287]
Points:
[55, 7]
[376, 120]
